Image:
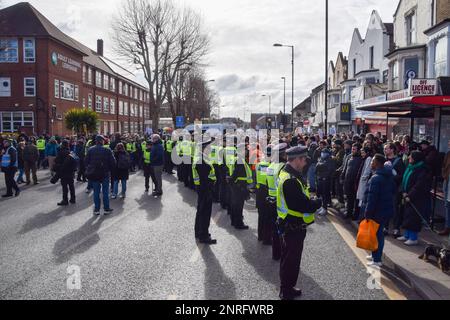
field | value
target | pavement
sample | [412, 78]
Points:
[426, 279]
[146, 250]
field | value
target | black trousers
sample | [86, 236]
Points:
[148, 173]
[186, 174]
[81, 170]
[216, 193]
[68, 185]
[264, 228]
[224, 191]
[351, 201]
[238, 196]
[291, 257]
[180, 172]
[276, 241]
[203, 215]
[339, 190]
[9, 180]
[324, 190]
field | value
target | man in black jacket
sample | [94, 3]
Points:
[99, 164]
[350, 174]
[65, 166]
[9, 165]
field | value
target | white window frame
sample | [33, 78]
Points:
[89, 77]
[5, 94]
[106, 105]
[105, 81]
[33, 59]
[411, 30]
[120, 107]
[90, 101]
[25, 87]
[112, 84]
[112, 106]
[126, 110]
[84, 74]
[84, 103]
[56, 89]
[98, 79]
[17, 49]
[64, 86]
[98, 104]
[76, 93]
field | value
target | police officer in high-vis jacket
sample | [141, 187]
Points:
[295, 213]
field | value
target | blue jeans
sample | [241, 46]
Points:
[104, 187]
[116, 186]
[376, 255]
[20, 177]
[410, 235]
[312, 177]
[90, 185]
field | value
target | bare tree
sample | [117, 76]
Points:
[160, 40]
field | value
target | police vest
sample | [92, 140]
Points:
[248, 173]
[131, 147]
[40, 144]
[195, 175]
[169, 146]
[261, 174]
[230, 155]
[179, 148]
[272, 177]
[214, 155]
[186, 148]
[143, 146]
[106, 146]
[282, 208]
[146, 156]
[6, 159]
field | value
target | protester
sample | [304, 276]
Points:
[157, 162]
[51, 150]
[20, 162]
[364, 174]
[350, 174]
[9, 166]
[121, 170]
[416, 187]
[325, 169]
[65, 167]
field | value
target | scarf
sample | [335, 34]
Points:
[409, 171]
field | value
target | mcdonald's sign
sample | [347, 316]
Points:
[346, 111]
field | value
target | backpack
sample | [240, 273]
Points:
[96, 172]
[123, 161]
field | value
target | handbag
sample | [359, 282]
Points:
[367, 235]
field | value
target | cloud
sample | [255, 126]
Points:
[72, 19]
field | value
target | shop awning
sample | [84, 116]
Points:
[407, 104]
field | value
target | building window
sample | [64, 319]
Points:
[411, 28]
[57, 89]
[112, 85]
[67, 91]
[90, 101]
[354, 68]
[121, 108]
[395, 78]
[84, 74]
[125, 108]
[98, 79]
[136, 95]
[89, 75]
[113, 106]
[9, 50]
[106, 105]
[29, 51]
[5, 87]
[120, 87]
[29, 87]
[13, 121]
[371, 55]
[440, 61]
[98, 104]
[84, 102]
[105, 82]
[77, 93]
[125, 89]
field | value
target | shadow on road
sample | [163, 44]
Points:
[218, 286]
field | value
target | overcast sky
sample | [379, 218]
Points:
[243, 61]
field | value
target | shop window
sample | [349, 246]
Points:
[423, 128]
[5, 87]
[9, 50]
[29, 87]
[29, 51]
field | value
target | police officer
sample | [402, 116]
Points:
[277, 164]
[148, 170]
[180, 166]
[262, 193]
[241, 178]
[227, 158]
[40, 144]
[216, 159]
[295, 212]
[204, 179]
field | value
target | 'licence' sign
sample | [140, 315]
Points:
[423, 87]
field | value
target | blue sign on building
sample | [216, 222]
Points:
[179, 122]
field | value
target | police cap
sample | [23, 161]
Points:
[280, 148]
[297, 152]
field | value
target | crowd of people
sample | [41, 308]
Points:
[294, 179]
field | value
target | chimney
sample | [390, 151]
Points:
[100, 47]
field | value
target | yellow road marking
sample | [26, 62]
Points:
[391, 290]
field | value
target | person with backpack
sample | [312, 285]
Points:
[121, 171]
[65, 167]
[99, 164]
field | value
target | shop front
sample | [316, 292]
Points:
[422, 112]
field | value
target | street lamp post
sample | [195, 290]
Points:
[284, 102]
[293, 75]
[326, 68]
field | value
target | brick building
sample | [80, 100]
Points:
[44, 73]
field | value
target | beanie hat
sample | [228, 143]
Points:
[417, 156]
